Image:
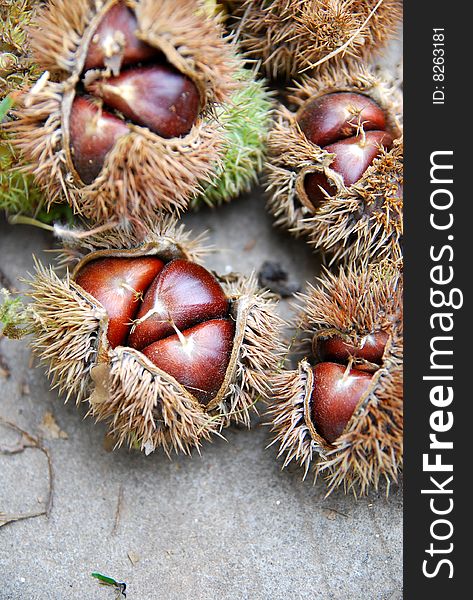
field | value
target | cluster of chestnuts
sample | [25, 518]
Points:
[145, 107]
[341, 410]
[135, 110]
[335, 168]
[159, 347]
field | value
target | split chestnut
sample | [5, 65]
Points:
[353, 128]
[337, 387]
[176, 314]
[133, 85]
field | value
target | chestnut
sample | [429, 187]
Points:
[183, 294]
[353, 156]
[349, 125]
[158, 97]
[333, 117]
[118, 283]
[335, 395]
[115, 36]
[171, 312]
[197, 357]
[192, 120]
[93, 133]
[336, 349]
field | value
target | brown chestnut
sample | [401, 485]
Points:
[335, 349]
[117, 283]
[335, 395]
[353, 156]
[115, 36]
[333, 117]
[197, 357]
[182, 295]
[93, 133]
[158, 97]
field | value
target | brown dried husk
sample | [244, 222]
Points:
[144, 406]
[362, 222]
[144, 172]
[291, 36]
[351, 304]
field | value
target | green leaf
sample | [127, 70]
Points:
[5, 105]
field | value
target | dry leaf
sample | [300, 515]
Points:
[50, 429]
[134, 557]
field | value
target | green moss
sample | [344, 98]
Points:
[17, 69]
[18, 194]
[245, 120]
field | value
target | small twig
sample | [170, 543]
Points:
[60, 231]
[118, 509]
[338, 512]
[24, 220]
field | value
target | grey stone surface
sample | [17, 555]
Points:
[228, 524]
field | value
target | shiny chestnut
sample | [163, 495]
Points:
[183, 295]
[333, 117]
[336, 349]
[197, 358]
[339, 383]
[93, 133]
[335, 395]
[115, 35]
[117, 283]
[158, 97]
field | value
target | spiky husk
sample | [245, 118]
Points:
[245, 119]
[144, 406]
[290, 37]
[362, 222]
[351, 304]
[144, 172]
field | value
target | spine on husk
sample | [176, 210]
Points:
[361, 222]
[143, 172]
[347, 307]
[145, 406]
